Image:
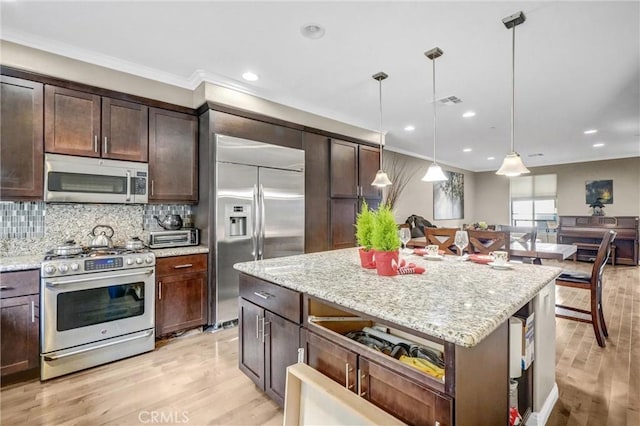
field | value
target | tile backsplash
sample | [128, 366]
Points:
[35, 227]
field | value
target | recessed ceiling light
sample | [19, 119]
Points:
[469, 114]
[312, 31]
[491, 158]
[590, 131]
[409, 128]
[598, 145]
[467, 150]
[249, 76]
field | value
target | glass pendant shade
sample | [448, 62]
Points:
[434, 174]
[381, 179]
[512, 166]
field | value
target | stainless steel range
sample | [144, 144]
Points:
[97, 306]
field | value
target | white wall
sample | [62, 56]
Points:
[492, 191]
[417, 197]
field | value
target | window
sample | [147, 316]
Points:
[533, 203]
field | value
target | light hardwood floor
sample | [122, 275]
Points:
[195, 380]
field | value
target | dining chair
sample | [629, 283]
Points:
[593, 283]
[522, 237]
[485, 242]
[442, 237]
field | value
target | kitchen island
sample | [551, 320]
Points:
[459, 307]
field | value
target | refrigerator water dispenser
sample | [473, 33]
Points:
[236, 220]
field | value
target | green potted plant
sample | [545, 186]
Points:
[364, 231]
[385, 240]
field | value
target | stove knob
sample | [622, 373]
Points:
[75, 266]
[129, 261]
[138, 260]
[149, 259]
[63, 268]
[49, 269]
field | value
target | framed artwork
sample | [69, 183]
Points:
[448, 197]
[599, 189]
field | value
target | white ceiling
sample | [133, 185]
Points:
[577, 65]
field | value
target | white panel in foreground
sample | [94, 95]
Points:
[311, 398]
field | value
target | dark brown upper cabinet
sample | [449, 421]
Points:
[21, 139]
[173, 156]
[73, 125]
[353, 168]
[125, 130]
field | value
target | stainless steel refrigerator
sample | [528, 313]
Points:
[259, 211]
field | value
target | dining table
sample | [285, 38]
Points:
[535, 251]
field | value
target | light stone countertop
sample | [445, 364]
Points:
[459, 302]
[180, 251]
[20, 263]
[34, 261]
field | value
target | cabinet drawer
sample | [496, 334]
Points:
[21, 283]
[181, 264]
[279, 300]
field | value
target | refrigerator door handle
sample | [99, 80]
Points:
[262, 224]
[254, 225]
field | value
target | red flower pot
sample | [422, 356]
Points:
[366, 258]
[383, 262]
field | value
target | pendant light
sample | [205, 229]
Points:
[381, 180]
[512, 164]
[434, 172]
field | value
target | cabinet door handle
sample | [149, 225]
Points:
[33, 311]
[361, 378]
[257, 327]
[106, 150]
[347, 369]
[95, 143]
[159, 290]
[151, 186]
[264, 326]
[5, 287]
[186, 265]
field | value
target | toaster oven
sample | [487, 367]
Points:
[178, 238]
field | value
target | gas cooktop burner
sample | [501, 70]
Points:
[94, 252]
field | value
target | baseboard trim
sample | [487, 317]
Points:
[539, 418]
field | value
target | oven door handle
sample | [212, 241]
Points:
[93, 278]
[104, 345]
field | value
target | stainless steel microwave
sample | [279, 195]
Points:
[73, 179]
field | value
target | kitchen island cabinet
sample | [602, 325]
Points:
[460, 308]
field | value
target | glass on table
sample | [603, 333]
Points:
[405, 235]
[461, 241]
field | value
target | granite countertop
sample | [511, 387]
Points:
[20, 263]
[459, 302]
[180, 251]
[34, 261]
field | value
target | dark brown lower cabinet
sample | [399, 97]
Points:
[181, 293]
[402, 397]
[19, 322]
[330, 359]
[268, 345]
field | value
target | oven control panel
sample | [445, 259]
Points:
[62, 267]
[103, 263]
